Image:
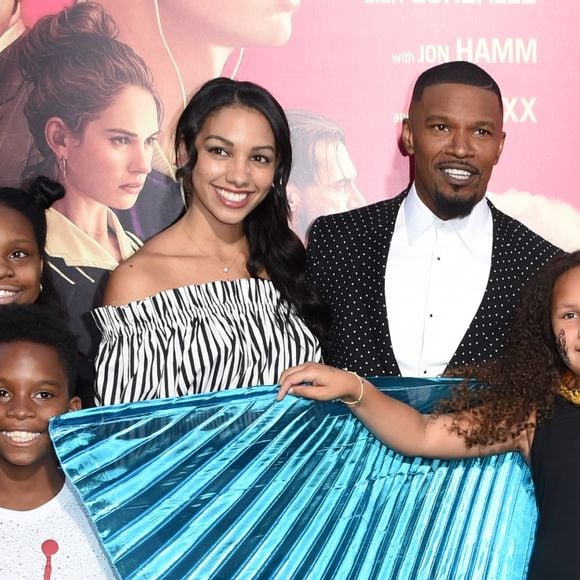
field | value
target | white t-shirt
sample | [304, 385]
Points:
[52, 542]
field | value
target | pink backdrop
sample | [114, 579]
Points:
[355, 62]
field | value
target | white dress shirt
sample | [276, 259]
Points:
[436, 276]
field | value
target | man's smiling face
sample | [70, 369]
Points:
[454, 132]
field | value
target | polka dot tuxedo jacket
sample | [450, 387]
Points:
[347, 257]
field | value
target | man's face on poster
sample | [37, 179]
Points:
[334, 189]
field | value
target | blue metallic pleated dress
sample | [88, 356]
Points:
[233, 484]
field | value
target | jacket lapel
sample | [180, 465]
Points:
[373, 274]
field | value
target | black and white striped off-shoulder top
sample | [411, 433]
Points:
[197, 339]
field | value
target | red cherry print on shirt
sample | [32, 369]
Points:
[49, 549]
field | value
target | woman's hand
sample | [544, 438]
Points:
[324, 383]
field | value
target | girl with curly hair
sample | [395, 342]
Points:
[530, 404]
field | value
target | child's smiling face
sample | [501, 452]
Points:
[20, 259]
[33, 388]
[566, 319]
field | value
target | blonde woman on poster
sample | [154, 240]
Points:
[94, 117]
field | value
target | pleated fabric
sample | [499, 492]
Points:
[235, 485]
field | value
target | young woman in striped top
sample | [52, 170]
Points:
[218, 300]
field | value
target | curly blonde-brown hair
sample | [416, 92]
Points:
[527, 377]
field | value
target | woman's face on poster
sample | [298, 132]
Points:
[110, 160]
[239, 23]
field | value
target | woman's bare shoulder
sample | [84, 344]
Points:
[139, 276]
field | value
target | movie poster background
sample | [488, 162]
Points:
[354, 62]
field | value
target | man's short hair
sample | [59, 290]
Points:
[307, 129]
[458, 72]
[41, 325]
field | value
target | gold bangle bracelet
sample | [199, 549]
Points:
[362, 391]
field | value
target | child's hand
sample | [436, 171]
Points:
[326, 383]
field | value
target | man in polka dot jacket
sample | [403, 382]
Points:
[429, 279]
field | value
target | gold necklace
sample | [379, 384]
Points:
[572, 395]
[225, 268]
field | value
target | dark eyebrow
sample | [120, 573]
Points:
[129, 133]
[445, 119]
[23, 241]
[262, 147]
[483, 123]
[50, 383]
[222, 139]
[5, 383]
[437, 119]
[122, 131]
[231, 144]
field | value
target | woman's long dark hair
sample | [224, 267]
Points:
[528, 376]
[32, 204]
[274, 247]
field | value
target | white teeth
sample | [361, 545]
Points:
[7, 293]
[231, 196]
[457, 173]
[20, 436]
